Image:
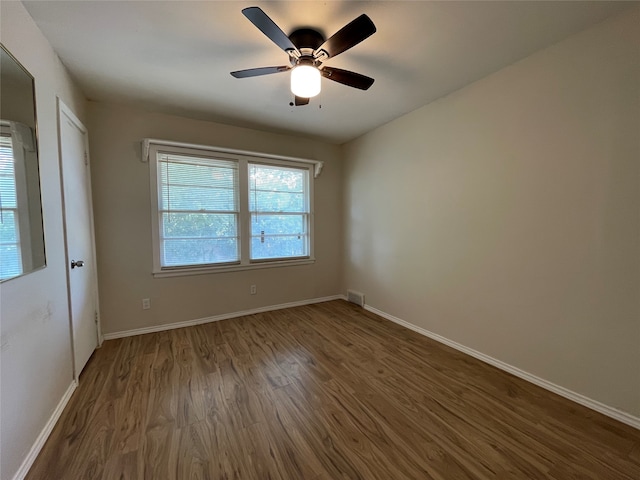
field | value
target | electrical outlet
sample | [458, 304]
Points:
[253, 290]
[146, 303]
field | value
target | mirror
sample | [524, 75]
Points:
[21, 230]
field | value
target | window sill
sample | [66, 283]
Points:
[182, 272]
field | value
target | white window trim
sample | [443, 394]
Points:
[151, 147]
[148, 142]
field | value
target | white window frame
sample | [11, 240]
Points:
[150, 150]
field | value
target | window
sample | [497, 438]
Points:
[11, 264]
[279, 207]
[221, 210]
[198, 210]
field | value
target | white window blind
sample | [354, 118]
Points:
[279, 209]
[198, 211]
[11, 264]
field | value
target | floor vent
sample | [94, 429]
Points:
[355, 297]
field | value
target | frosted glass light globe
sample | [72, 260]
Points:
[305, 81]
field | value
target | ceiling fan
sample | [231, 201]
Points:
[308, 49]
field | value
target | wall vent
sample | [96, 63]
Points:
[355, 297]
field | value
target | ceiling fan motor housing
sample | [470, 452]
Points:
[306, 38]
[307, 42]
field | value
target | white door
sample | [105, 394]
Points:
[79, 238]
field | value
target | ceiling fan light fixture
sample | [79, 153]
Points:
[305, 81]
[307, 50]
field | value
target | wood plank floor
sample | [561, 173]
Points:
[326, 391]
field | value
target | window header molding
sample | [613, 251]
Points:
[147, 142]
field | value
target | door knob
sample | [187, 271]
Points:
[78, 263]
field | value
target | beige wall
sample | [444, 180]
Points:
[35, 344]
[123, 224]
[506, 216]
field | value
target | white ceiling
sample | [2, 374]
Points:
[175, 56]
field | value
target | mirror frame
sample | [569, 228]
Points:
[39, 210]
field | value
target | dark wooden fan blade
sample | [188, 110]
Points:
[348, 36]
[256, 72]
[268, 27]
[301, 101]
[346, 77]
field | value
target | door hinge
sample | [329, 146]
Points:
[86, 158]
[96, 317]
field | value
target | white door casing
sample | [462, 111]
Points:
[82, 283]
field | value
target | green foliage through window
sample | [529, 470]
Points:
[198, 210]
[278, 202]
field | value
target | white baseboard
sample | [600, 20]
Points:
[44, 434]
[216, 318]
[614, 413]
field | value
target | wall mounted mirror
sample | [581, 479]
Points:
[21, 231]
